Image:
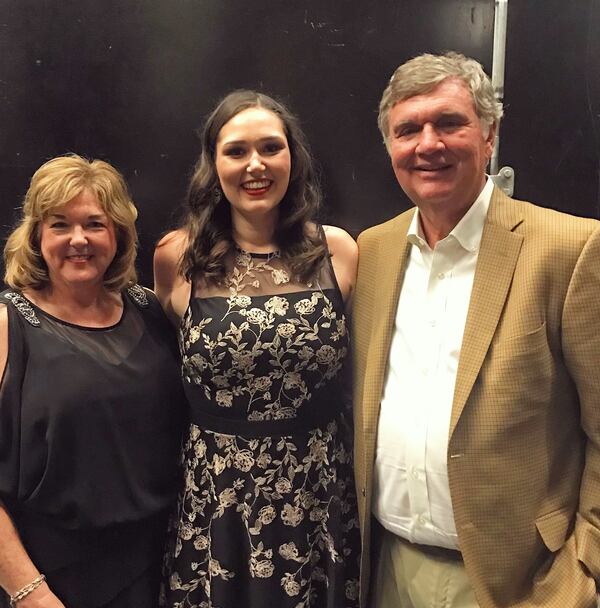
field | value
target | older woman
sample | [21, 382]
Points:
[89, 400]
[267, 516]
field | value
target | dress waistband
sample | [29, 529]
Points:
[321, 410]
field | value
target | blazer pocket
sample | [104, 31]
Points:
[523, 344]
[554, 528]
[517, 382]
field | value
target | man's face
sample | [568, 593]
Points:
[439, 149]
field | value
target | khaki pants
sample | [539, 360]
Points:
[410, 577]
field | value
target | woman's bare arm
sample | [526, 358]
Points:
[16, 568]
[344, 258]
[171, 289]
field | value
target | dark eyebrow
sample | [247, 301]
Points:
[268, 138]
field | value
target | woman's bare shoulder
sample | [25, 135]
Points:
[173, 242]
[170, 287]
[344, 258]
[340, 241]
[169, 250]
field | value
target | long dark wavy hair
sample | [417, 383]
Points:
[208, 215]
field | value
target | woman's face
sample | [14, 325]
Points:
[78, 242]
[253, 162]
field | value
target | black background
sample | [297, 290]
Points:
[129, 81]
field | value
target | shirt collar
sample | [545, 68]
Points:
[468, 231]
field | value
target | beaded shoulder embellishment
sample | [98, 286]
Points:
[138, 295]
[23, 306]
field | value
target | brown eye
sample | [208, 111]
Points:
[234, 152]
[273, 148]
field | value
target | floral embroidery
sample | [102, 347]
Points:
[277, 305]
[289, 489]
[294, 344]
[247, 270]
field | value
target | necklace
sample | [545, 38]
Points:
[267, 256]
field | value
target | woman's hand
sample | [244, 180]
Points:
[42, 597]
[17, 569]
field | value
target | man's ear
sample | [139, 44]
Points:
[490, 140]
[492, 132]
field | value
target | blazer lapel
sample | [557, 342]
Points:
[392, 257]
[498, 254]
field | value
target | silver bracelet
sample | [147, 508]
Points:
[25, 591]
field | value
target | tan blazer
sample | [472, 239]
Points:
[524, 441]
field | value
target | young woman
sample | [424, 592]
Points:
[267, 515]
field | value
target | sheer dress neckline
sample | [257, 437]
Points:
[262, 275]
[50, 316]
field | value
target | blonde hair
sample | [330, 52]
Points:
[423, 73]
[52, 186]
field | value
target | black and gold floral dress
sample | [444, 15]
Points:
[267, 516]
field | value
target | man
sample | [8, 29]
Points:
[477, 390]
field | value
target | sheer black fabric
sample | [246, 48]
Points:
[267, 516]
[90, 427]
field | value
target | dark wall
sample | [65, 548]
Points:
[551, 133]
[130, 80]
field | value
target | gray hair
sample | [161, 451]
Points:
[423, 73]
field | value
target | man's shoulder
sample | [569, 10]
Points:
[540, 218]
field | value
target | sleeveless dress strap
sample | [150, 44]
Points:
[21, 304]
[138, 295]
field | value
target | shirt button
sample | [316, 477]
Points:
[422, 520]
[363, 492]
[441, 276]
[414, 473]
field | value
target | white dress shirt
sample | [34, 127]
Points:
[411, 493]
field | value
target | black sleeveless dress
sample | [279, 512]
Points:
[90, 431]
[267, 516]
